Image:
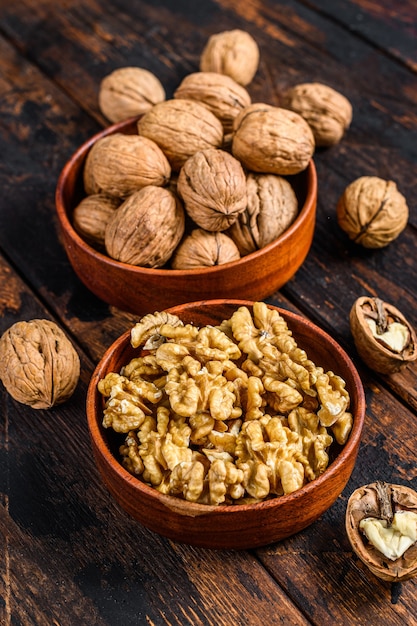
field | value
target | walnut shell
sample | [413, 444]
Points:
[204, 249]
[127, 92]
[223, 96]
[272, 140]
[271, 208]
[146, 228]
[212, 184]
[364, 502]
[231, 52]
[327, 112]
[119, 164]
[372, 211]
[181, 128]
[373, 348]
[38, 364]
[91, 215]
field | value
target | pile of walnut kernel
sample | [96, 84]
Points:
[228, 414]
[204, 180]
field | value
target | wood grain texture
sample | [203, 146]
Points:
[71, 555]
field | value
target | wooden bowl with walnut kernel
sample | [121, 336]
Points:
[139, 289]
[232, 509]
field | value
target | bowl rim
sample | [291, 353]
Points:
[64, 219]
[185, 507]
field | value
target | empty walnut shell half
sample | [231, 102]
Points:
[384, 339]
[380, 502]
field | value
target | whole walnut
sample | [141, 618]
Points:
[231, 52]
[221, 94]
[181, 128]
[146, 228]
[372, 211]
[204, 249]
[38, 364]
[327, 112]
[271, 208]
[127, 92]
[120, 164]
[91, 215]
[272, 140]
[212, 185]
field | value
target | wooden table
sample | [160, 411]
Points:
[71, 557]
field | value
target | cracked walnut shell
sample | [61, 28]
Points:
[204, 249]
[120, 164]
[327, 112]
[372, 211]
[231, 52]
[271, 208]
[127, 92]
[146, 228]
[212, 184]
[384, 339]
[221, 94]
[272, 140]
[38, 364]
[181, 128]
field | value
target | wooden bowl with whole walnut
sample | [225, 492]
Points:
[236, 520]
[140, 289]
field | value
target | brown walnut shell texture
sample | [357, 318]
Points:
[372, 211]
[38, 364]
[364, 503]
[146, 228]
[378, 357]
[120, 164]
[223, 96]
[272, 140]
[92, 215]
[231, 52]
[271, 208]
[127, 92]
[327, 112]
[204, 249]
[181, 128]
[212, 184]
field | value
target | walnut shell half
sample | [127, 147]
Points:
[372, 211]
[146, 228]
[38, 364]
[373, 324]
[212, 184]
[366, 502]
[272, 140]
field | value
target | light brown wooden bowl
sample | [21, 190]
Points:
[142, 290]
[228, 526]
